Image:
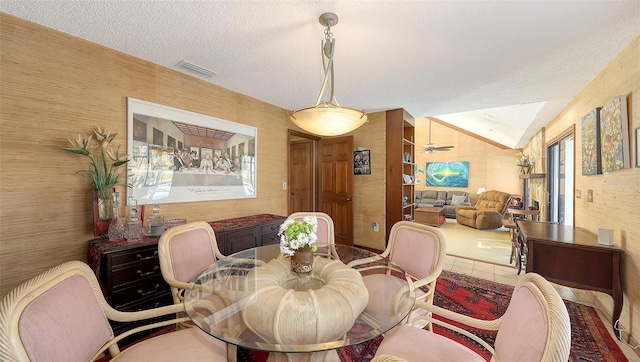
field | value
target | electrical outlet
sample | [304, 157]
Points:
[376, 228]
[284, 185]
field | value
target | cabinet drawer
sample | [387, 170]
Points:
[134, 255]
[134, 292]
[242, 240]
[268, 239]
[159, 300]
[134, 272]
[270, 228]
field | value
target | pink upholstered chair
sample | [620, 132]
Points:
[184, 252]
[325, 232]
[61, 315]
[420, 251]
[535, 327]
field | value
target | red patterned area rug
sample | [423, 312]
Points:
[483, 299]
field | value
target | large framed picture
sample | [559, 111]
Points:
[449, 174]
[591, 160]
[173, 158]
[614, 135]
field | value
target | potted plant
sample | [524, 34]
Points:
[297, 239]
[524, 162]
[103, 173]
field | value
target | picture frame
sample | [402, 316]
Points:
[449, 174]
[637, 132]
[614, 135]
[362, 162]
[160, 174]
[591, 154]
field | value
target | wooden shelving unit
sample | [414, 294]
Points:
[400, 166]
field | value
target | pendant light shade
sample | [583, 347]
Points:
[328, 118]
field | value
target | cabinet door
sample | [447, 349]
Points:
[269, 233]
[242, 239]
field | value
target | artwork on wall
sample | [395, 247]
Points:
[591, 160]
[449, 174]
[637, 147]
[164, 175]
[362, 162]
[614, 135]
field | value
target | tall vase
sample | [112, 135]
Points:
[116, 228]
[102, 213]
[302, 260]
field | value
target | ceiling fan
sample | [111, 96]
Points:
[430, 147]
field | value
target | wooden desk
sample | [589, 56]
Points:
[571, 256]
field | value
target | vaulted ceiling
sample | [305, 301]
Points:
[500, 69]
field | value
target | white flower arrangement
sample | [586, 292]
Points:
[296, 234]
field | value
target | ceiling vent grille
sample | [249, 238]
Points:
[196, 68]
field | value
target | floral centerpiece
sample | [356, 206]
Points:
[524, 162]
[105, 166]
[297, 239]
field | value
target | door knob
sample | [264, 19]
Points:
[349, 199]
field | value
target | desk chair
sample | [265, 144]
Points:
[420, 251]
[535, 327]
[61, 315]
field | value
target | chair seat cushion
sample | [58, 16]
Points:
[418, 345]
[193, 345]
[382, 289]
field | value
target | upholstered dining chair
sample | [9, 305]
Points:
[184, 252]
[535, 327]
[61, 315]
[420, 251]
[325, 232]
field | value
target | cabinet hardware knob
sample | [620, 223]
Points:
[155, 289]
[141, 274]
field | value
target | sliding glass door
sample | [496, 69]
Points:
[560, 173]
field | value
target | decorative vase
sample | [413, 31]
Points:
[102, 213]
[302, 260]
[116, 227]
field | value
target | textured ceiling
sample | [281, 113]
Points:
[501, 69]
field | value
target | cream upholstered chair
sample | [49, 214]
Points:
[61, 315]
[326, 230]
[535, 327]
[184, 252]
[420, 251]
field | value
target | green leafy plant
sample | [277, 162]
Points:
[523, 162]
[105, 162]
[296, 234]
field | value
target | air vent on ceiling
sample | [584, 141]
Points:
[196, 68]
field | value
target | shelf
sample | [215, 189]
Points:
[532, 175]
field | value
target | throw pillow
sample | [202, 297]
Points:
[458, 199]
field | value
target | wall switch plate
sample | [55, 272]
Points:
[590, 195]
[284, 185]
[578, 194]
[376, 228]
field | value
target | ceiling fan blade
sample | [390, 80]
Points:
[444, 148]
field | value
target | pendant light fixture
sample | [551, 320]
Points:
[328, 118]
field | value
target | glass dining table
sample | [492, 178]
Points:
[252, 299]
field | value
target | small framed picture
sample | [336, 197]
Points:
[362, 162]
[637, 147]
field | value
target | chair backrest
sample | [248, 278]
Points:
[494, 201]
[184, 252]
[419, 249]
[325, 232]
[56, 316]
[536, 325]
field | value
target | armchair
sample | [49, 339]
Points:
[487, 213]
[535, 327]
[61, 315]
[420, 250]
[326, 230]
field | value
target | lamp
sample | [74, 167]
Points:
[480, 190]
[328, 118]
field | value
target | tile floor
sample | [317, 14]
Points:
[507, 275]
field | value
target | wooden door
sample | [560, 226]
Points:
[301, 176]
[335, 186]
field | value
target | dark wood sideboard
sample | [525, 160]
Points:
[129, 272]
[571, 256]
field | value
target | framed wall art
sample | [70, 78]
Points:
[637, 147]
[614, 135]
[591, 160]
[160, 174]
[449, 174]
[362, 162]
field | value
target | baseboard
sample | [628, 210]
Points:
[609, 316]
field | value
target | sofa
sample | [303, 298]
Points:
[443, 199]
[488, 211]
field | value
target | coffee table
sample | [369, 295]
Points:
[428, 215]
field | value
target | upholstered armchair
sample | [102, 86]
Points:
[61, 315]
[326, 230]
[487, 213]
[535, 327]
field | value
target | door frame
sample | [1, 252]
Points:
[549, 182]
[314, 159]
